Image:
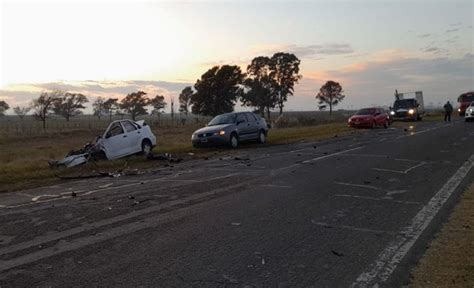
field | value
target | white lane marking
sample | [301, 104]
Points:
[392, 255]
[377, 199]
[276, 186]
[331, 155]
[352, 228]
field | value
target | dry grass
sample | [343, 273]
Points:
[449, 261]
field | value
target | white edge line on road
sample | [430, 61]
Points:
[392, 255]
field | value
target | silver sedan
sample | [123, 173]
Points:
[231, 129]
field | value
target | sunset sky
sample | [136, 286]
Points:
[102, 48]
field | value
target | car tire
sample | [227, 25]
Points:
[262, 137]
[146, 147]
[386, 124]
[233, 141]
[373, 125]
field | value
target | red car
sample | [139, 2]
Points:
[369, 118]
[464, 101]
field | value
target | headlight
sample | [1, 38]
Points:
[392, 112]
[459, 109]
[411, 111]
[470, 110]
[220, 133]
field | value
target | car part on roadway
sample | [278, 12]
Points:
[234, 141]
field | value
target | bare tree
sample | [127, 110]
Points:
[21, 111]
[69, 104]
[98, 107]
[135, 103]
[111, 105]
[43, 106]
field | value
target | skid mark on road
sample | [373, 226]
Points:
[378, 199]
[393, 254]
[401, 171]
[324, 224]
[81, 193]
[370, 187]
[41, 240]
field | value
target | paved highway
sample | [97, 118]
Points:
[352, 211]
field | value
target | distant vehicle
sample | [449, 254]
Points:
[464, 101]
[126, 137]
[469, 112]
[408, 108]
[369, 118]
[231, 129]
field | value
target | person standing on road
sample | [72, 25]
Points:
[448, 110]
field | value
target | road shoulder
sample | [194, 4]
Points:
[449, 260]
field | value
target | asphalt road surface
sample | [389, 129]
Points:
[355, 211]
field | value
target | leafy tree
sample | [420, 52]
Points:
[260, 86]
[217, 90]
[3, 107]
[111, 105]
[21, 111]
[330, 94]
[284, 71]
[158, 103]
[135, 103]
[43, 106]
[185, 100]
[69, 104]
[98, 107]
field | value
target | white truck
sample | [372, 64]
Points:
[408, 108]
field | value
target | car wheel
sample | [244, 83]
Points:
[234, 141]
[374, 125]
[262, 137]
[386, 124]
[146, 147]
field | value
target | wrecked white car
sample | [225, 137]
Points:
[126, 137]
[121, 138]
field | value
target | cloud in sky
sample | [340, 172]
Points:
[424, 35]
[365, 83]
[432, 50]
[452, 30]
[310, 50]
[373, 82]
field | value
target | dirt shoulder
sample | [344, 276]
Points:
[449, 261]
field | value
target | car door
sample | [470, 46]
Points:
[133, 135]
[242, 126]
[379, 117]
[115, 142]
[253, 126]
